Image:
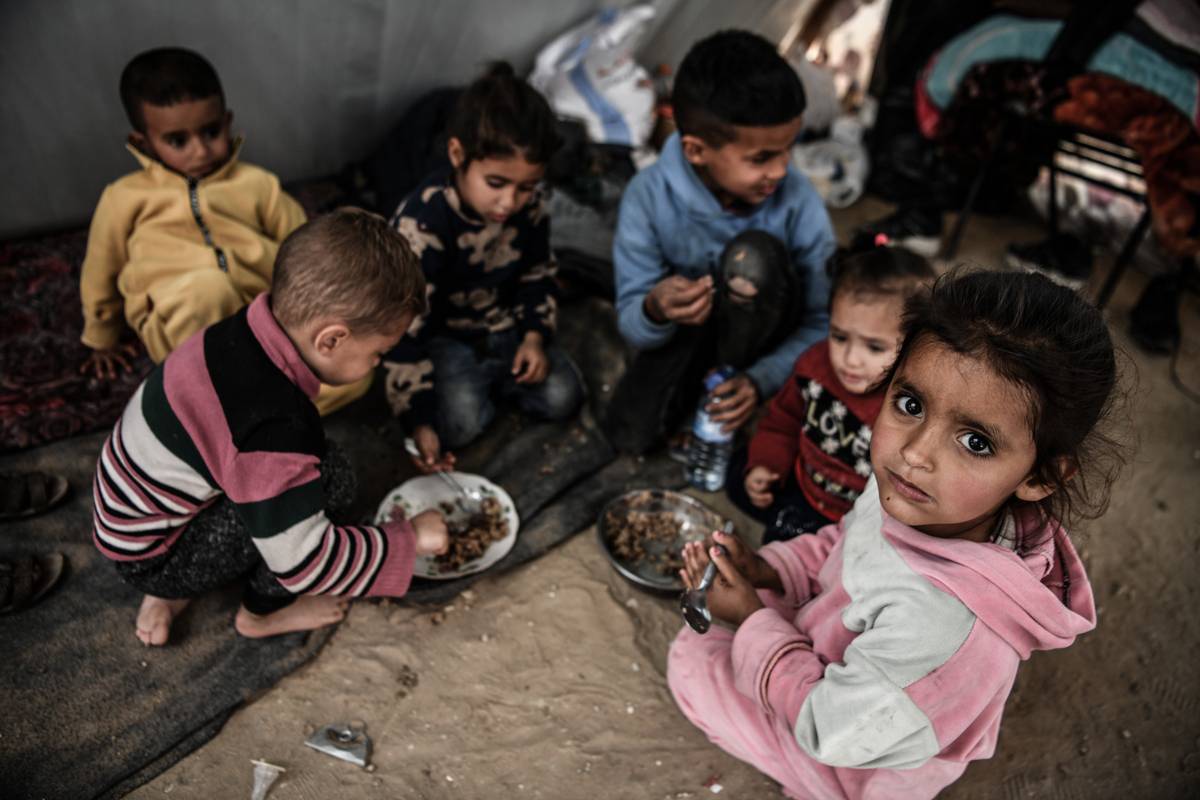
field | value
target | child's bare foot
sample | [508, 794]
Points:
[305, 614]
[154, 619]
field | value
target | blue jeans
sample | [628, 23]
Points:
[468, 375]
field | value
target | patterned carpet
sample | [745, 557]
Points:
[43, 396]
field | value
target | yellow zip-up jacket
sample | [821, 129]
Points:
[178, 253]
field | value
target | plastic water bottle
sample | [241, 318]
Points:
[708, 454]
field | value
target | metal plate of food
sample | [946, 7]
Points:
[643, 532]
[478, 537]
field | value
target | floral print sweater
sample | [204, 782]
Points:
[481, 278]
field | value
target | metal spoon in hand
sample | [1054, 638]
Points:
[693, 603]
[472, 495]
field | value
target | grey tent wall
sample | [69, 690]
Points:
[312, 84]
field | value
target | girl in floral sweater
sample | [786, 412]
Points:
[483, 237]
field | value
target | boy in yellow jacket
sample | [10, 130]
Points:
[191, 237]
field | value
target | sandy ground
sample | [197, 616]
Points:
[548, 682]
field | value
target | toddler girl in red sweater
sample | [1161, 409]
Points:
[810, 457]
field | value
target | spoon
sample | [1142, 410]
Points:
[472, 495]
[693, 603]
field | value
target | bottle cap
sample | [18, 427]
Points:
[717, 377]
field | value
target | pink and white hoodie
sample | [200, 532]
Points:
[883, 668]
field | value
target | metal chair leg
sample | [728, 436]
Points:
[1124, 257]
[950, 244]
[1053, 215]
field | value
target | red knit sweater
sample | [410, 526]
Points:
[819, 430]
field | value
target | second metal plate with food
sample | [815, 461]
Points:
[643, 532]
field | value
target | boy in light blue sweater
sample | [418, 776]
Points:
[721, 246]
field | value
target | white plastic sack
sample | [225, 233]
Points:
[837, 166]
[822, 105]
[589, 73]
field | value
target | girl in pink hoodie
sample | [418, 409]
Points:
[873, 659]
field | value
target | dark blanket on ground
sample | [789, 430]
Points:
[87, 707]
[93, 713]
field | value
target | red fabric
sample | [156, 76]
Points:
[819, 431]
[1166, 142]
[929, 116]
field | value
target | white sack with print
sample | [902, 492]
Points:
[589, 73]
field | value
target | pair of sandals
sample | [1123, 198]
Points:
[26, 578]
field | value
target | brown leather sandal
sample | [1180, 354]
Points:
[23, 494]
[25, 578]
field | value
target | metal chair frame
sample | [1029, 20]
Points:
[1070, 143]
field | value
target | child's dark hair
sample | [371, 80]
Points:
[164, 77]
[881, 271]
[500, 115]
[734, 78]
[349, 264]
[1055, 346]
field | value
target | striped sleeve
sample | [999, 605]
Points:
[262, 441]
[306, 551]
[143, 492]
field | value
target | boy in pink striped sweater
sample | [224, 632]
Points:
[219, 468]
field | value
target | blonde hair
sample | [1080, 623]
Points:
[349, 265]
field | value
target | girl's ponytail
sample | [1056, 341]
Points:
[500, 116]
[499, 69]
